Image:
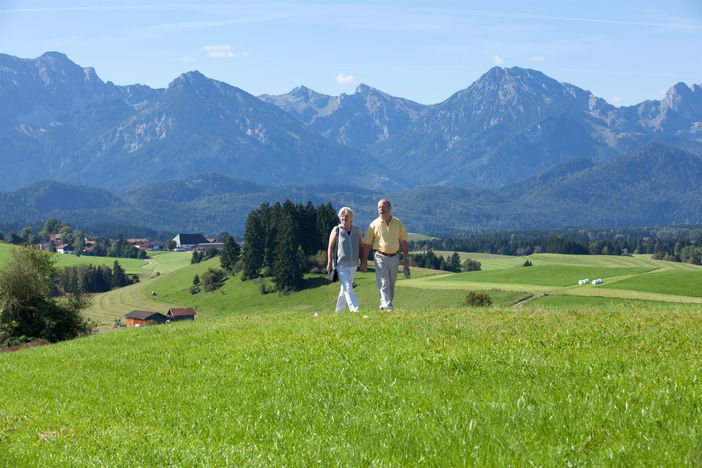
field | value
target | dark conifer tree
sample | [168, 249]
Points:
[230, 254]
[287, 266]
[252, 253]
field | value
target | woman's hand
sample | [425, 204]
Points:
[329, 267]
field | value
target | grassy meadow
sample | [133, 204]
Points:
[551, 374]
[438, 387]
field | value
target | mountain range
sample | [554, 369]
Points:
[516, 148]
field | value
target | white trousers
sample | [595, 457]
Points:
[346, 295]
[385, 277]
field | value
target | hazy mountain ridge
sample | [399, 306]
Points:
[637, 189]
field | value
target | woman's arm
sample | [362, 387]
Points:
[332, 244]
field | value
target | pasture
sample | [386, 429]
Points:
[634, 278]
[438, 387]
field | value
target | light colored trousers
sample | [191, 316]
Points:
[346, 294]
[385, 277]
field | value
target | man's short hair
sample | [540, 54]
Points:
[386, 201]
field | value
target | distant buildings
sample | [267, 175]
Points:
[185, 242]
[141, 318]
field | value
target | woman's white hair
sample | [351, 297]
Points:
[345, 208]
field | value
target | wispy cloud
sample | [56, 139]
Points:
[536, 58]
[221, 51]
[615, 100]
[497, 60]
[344, 79]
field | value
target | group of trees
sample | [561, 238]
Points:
[92, 278]
[27, 308]
[280, 239]
[452, 263]
[674, 244]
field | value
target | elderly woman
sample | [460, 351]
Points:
[343, 253]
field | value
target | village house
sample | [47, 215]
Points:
[177, 314]
[55, 238]
[65, 248]
[141, 318]
[140, 243]
[188, 241]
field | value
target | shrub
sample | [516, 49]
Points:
[477, 299]
[194, 289]
[213, 279]
[527, 263]
[471, 265]
[265, 287]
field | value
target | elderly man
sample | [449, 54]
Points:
[386, 235]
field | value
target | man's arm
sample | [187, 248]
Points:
[365, 248]
[405, 252]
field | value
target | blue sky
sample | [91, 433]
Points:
[623, 51]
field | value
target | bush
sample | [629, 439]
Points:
[213, 279]
[527, 263]
[265, 287]
[477, 299]
[194, 289]
[471, 265]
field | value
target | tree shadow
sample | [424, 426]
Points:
[316, 282]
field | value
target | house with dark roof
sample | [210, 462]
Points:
[177, 314]
[65, 248]
[188, 241]
[140, 318]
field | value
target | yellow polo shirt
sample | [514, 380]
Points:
[385, 237]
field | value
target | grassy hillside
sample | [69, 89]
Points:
[438, 387]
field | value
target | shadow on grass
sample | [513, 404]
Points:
[320, 281]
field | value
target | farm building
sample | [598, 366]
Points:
[188, 241]
[140, 318]
[140, 243]
[176, 314]
[65, 248]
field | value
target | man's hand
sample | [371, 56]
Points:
[364, 266]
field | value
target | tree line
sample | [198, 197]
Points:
[91, 278]
[283, 241]
[669, 243]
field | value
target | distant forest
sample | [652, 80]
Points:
[677, 244]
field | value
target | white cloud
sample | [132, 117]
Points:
[343, 79]
[219, 51]
[497, 60]
[536, 58]
[615, 100]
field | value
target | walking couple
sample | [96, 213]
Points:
[386, 235]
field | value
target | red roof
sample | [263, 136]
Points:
[54, 236]
[181, 312]
[63, 246]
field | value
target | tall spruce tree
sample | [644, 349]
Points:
[230, 254]
[287, 266]
[252, 252]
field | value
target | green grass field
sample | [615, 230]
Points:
[580, 375]
[445, 387]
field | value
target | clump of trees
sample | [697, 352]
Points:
[429, 259]
[202, 255]
[27, 309]
[284, 241]
[92, 278]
